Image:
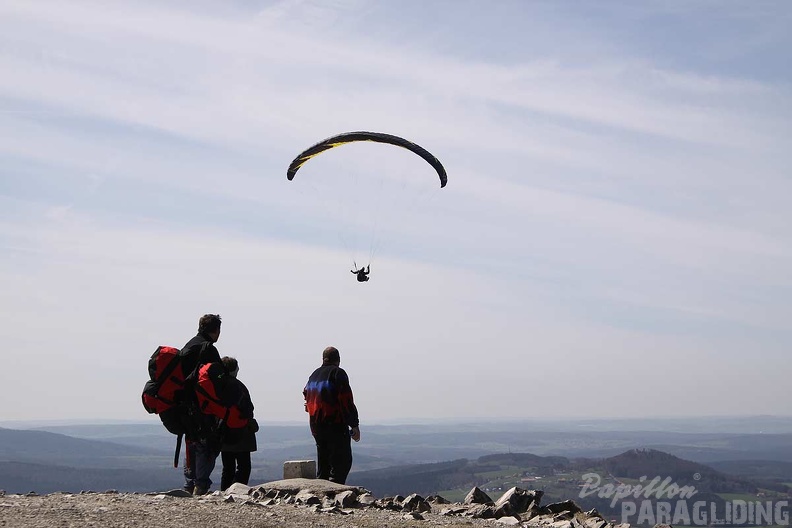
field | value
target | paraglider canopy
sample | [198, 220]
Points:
[349, 137]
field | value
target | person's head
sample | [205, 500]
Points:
[330, 356]
[209, 325]
[231, 365]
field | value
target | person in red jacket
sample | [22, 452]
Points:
[333, 417]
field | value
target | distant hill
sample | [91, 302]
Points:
[716, 447]
[769, 474]
[638, 463]
[756, 468]
[44, 447]
[23, 477]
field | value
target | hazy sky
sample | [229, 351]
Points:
[614, 239]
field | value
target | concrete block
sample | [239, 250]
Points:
[299, 469]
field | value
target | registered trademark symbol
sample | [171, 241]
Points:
[696, 476]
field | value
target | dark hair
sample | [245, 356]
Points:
[330, 355]
[209, 323]
[230, 364]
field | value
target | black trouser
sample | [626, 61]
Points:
[199, 462]
[236, 468]
[333, 452]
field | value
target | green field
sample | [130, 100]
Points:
[505, 471]
[737, 496]
[456, 495]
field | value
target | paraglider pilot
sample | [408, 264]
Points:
[362, 273]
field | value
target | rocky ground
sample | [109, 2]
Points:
[293, 502]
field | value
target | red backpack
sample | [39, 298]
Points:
[216, 395]
[166, 381]
[166, 395]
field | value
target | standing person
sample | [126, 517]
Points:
[202, 445]
[333, 417]
[237, 443]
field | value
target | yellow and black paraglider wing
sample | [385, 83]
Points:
[349, 137]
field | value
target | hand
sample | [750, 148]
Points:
[355, 434]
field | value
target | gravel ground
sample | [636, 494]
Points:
[127, 510]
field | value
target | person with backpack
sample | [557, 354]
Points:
[238, 443]
[333, 417]
[203, 440]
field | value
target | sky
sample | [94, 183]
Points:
[613, 240]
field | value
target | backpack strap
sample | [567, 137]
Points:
[209, 397]
[178, 450]
[193, 376]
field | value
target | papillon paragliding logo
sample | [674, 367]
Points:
[659, 501]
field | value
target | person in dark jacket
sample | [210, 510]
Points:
[202, 444]
[333, 417]
[237, 443]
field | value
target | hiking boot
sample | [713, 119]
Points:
[189, 489]
[199, 491]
